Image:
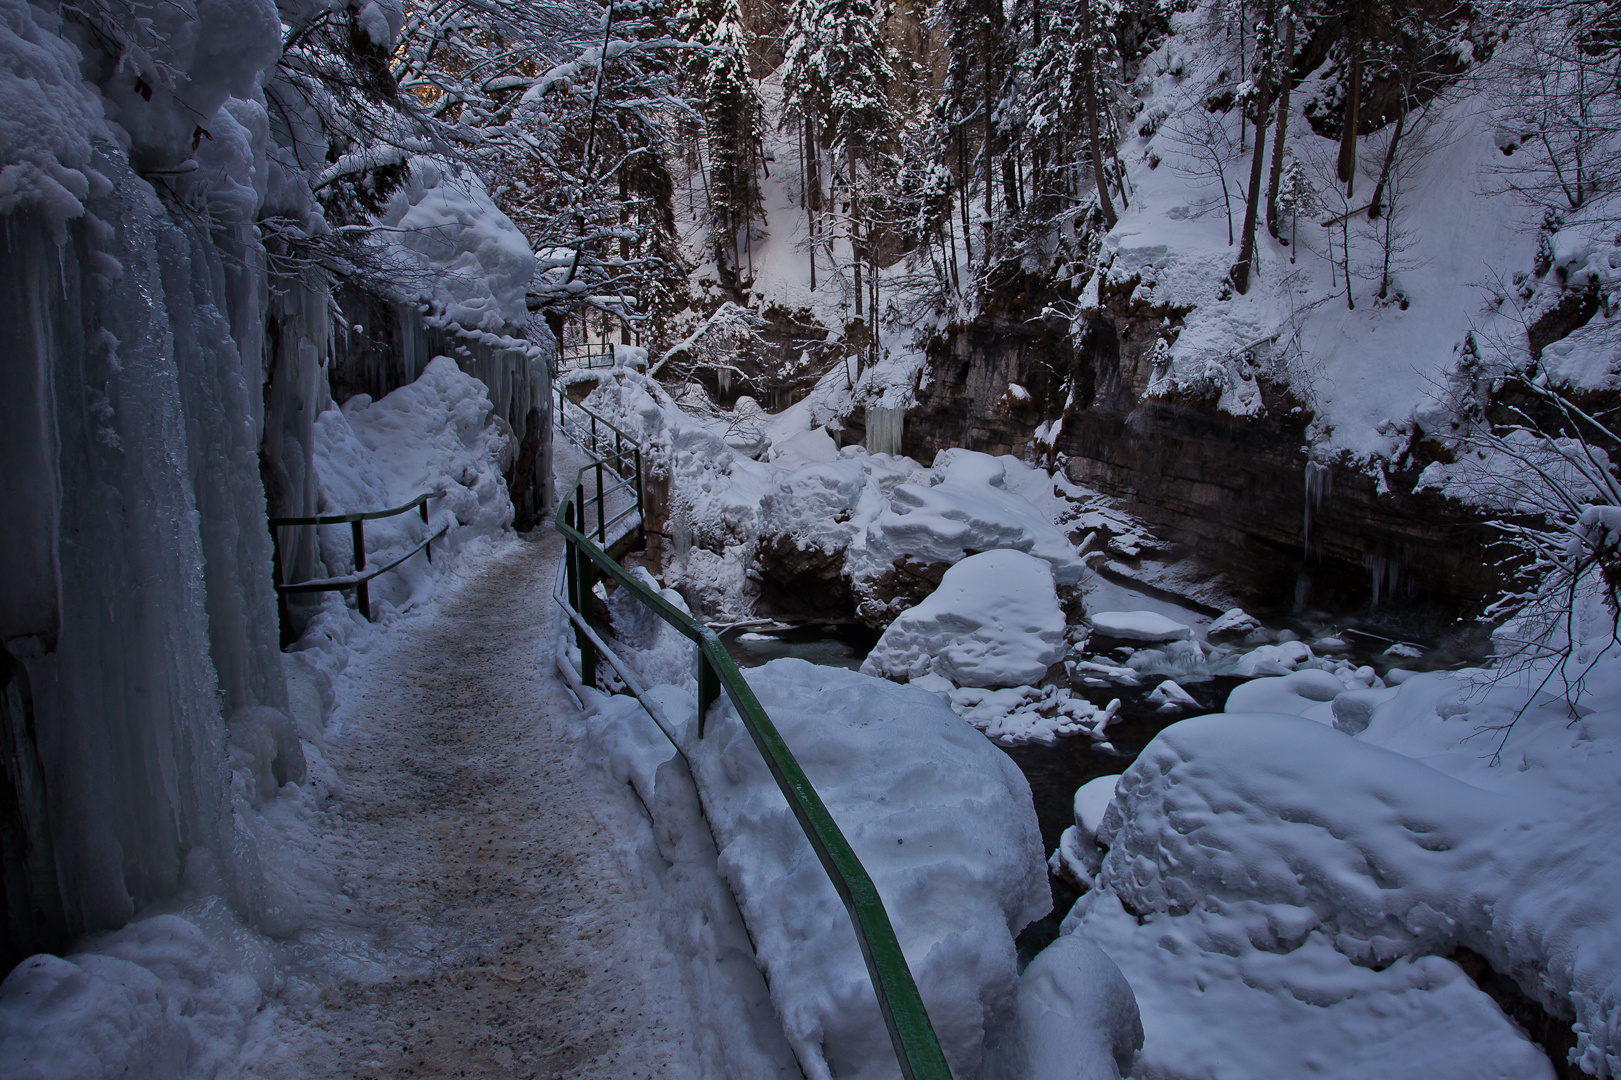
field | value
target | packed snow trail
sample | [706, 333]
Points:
[490, 877]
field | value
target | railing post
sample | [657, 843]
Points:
[602, 509]
[571, 569]
[426, 524]
[641, 514]
[283, 617]
[708, 687]
[583, 597]
[357, 529]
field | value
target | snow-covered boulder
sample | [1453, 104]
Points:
[1170, 697]
[826, 506]
[994, 621]
[942, 821]
[967, 510]
[1308, 693]
[1233, 623]
[1077, 1018]
[1281, 895]
[1138, 626]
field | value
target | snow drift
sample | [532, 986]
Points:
[941, 820]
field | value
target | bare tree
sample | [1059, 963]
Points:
[1207, 151]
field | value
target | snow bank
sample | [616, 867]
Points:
[993, 621]
[942, 821]
[438, 433]
[153, 999]
[463, 255]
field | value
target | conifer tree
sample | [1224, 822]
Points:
[836, 80]
[726, 96]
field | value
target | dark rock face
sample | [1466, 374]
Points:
[1230, 492]
[879, 599]
[804, 581]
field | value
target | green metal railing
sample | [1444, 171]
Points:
[595, 354]
[910, 1032]
[359, 580]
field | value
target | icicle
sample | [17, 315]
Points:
[1319, 482]
[885, 428]
[1384, 573]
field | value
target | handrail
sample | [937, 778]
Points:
[359, 515]
[587, 351]
[910, 1032]
[360, 580]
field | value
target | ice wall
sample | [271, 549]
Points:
[386, 343]
[168, 327]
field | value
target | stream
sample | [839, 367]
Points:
[1055, 770]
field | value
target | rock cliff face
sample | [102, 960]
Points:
[1239, 494]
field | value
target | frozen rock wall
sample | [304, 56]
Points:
[165, 350]
[162, 624]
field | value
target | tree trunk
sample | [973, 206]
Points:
[856, 251]
[1286, 71]
[1089, 96]
[1240, 273]
[990, 143]
[1376, 204]
[813, 195]
[964, 195]
[1353, 100]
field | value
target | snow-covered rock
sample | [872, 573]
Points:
[1279, 659]
[826, 505]
[967, 510]
[1234, 622]
[1022, 714]
[1292, 890]
[994, 621]
[1138, 626]
[1077, 1018]
[1308, 693]
[1170, 696]
[1092, 801]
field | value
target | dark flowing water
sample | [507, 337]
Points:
[1054, 771]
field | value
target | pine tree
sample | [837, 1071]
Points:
[836, 80]
[731, 108]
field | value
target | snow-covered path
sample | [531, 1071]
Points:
[500, 922]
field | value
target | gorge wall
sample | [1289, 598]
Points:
[1236, 494]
